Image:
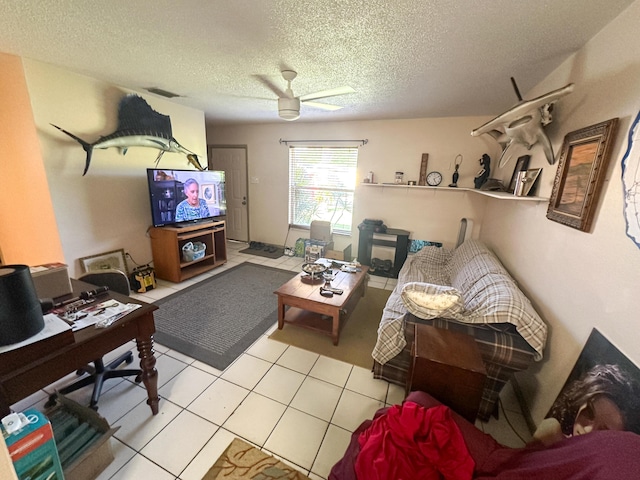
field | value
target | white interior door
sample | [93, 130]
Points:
[233, 160]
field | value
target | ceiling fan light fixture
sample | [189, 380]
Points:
[289, 108]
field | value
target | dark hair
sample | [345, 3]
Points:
[608, 380]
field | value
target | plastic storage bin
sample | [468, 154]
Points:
[193, 251]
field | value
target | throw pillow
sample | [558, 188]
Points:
[426, 300]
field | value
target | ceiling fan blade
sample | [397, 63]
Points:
[323, 106]
[266, 81]
[327, 93]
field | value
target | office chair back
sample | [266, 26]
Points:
[116, 280]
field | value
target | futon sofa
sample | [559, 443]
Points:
[422, 439]
[466, 290]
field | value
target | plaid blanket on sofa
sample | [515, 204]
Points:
[491, 296]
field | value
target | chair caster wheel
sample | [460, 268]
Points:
[129, 358]
[51, 402]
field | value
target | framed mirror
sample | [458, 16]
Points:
[581, 170]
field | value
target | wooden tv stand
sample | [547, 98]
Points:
[166, 248]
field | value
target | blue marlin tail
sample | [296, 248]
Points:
[138, 126]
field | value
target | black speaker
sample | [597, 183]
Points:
[20, 310]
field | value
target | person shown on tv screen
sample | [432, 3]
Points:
[193, 207]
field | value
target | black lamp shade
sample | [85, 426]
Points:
[20, 311]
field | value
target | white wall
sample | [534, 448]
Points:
[393, 145]
[579, 280]
[108, 209]
[576, 280]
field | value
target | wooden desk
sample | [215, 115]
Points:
[88, 344]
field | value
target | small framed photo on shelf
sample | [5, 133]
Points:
[105, 261]
[521, 164]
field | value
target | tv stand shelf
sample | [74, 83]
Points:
[167, 243]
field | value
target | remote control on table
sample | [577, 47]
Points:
[337, 291]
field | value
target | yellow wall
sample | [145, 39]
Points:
[109, 208]
[28, 230]
[393, 145]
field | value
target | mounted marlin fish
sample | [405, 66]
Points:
[139, 125]
[523, 123]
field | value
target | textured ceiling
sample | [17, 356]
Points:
[404, 58]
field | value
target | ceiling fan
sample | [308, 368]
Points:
[289, 104]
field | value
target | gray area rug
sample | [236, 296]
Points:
[217, 319]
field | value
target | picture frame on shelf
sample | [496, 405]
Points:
[530, 180]
[105, 261]
[521, 164]
[581, 170]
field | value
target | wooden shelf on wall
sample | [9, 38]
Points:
[491, 194]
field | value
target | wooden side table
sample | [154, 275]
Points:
[448, 366]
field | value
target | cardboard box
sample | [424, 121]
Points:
[33, 449]
[344, 255]
[315, 249]
[51, 280]
[77, 426]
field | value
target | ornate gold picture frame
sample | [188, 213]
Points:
[581, 171]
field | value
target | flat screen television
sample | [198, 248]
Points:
[184, 197]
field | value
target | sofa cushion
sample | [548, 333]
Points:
[426, 300]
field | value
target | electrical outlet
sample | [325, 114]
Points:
[255, 180]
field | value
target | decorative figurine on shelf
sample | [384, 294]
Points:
[456, 175]
[484, 172]
[523, 124]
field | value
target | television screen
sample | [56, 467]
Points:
[181, 197]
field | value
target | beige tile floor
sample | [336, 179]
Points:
[294, 404]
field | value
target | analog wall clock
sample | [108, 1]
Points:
[434, 179]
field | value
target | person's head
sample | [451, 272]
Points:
[604, 398]
[191, 190]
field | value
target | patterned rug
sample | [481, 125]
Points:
[242, 461]
[215, 320]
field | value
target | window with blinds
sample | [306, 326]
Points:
[322, 182]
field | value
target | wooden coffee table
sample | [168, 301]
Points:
[301, 304]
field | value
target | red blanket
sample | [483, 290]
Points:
[412, 442]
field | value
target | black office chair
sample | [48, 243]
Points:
[99, 372]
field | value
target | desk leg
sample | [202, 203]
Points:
[149, 372]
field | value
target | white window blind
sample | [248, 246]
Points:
[322, 182]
